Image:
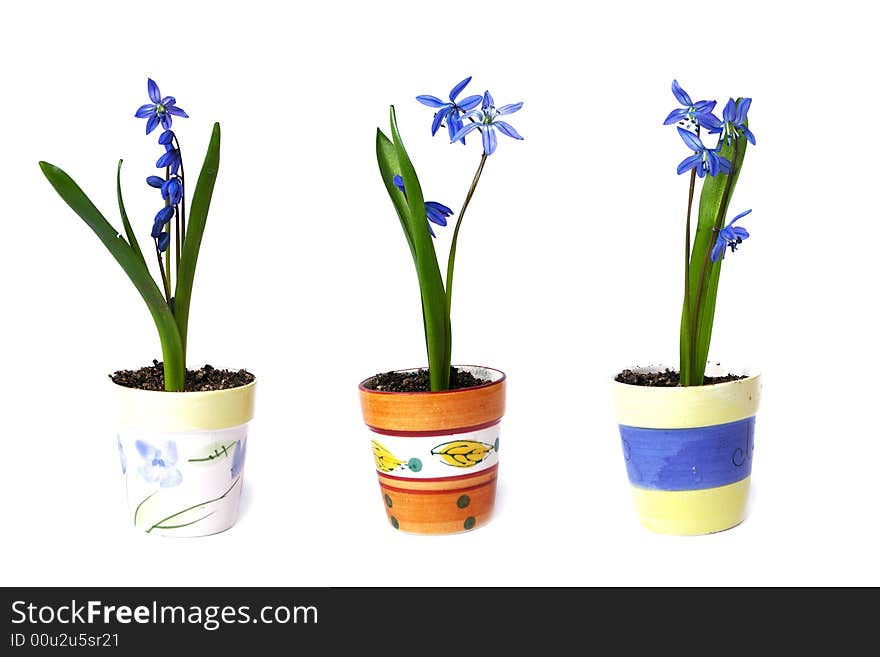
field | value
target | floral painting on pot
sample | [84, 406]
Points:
[182, 434]
[688, 435]
[436, 430]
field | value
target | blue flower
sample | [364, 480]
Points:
[162, 242]
[238, 458]
[122, 460]
[705, 160]
[155, 181]
[486, 119]
[172, 190]
[159, 464]
[163, 216]
[450, 112]
[734, 115]
[731, 236]
[160, 110]
[699, 112]
[170, 159]
[437, 212]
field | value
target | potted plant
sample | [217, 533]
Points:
[182, 434]
[436, 430]
[688, 435]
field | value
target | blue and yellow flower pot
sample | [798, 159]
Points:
[688, 453]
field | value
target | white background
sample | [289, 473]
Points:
[569, 269]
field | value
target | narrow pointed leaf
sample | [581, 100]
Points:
[172, 352]
[132, 238]
[389, 166]
[437, 326]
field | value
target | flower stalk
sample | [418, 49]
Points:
[416, 215]
[168, 305]
[719, 167]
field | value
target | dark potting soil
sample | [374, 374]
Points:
[420, 381]
[668, 379]
[207, 378]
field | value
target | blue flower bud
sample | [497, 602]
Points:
[166, 137]
[155, 181]
[164, 215]
[162, 242]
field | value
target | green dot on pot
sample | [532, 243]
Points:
[414, 464]
[469, 522]
[462, 501]
[394, 523]
[388, 501]
[495, 446]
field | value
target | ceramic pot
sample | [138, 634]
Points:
[182, 457]
[436, 453]
[688, 452]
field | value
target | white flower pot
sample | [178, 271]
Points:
[182, 456]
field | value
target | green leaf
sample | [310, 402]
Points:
[714, 201]
[389, 166]
[132, 238]
[195, 228]
[438, 332]
[172, 352]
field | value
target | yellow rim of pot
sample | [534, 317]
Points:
[184, 411]
[689, 407]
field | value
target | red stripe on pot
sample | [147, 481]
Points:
[428, 434]
[444, 491]
[469, 475]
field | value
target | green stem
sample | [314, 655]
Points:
[168, 230]
[181, 226]
[140, 505]
[216, 455]
[450, 267]
[165, 285]
[186, 524]
[705, 270]
[687, 268]
[195, 506]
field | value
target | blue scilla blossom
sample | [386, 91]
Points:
[172, 189]
[166, 137]
[734, 121]
[699, 112]
[729, 236]
[122, 460]
[437, 212]
[159, 110]
[171, 159]
[238, 457]
[159, 465]
[163, 241]
[450, 112]
[704, 160]
[487, 120]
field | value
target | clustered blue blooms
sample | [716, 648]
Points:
[482, 115]
[484, 119]
[706, 161]
[172, 185]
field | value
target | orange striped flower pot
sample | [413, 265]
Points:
[436, 453]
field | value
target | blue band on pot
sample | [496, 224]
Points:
[689, 459]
